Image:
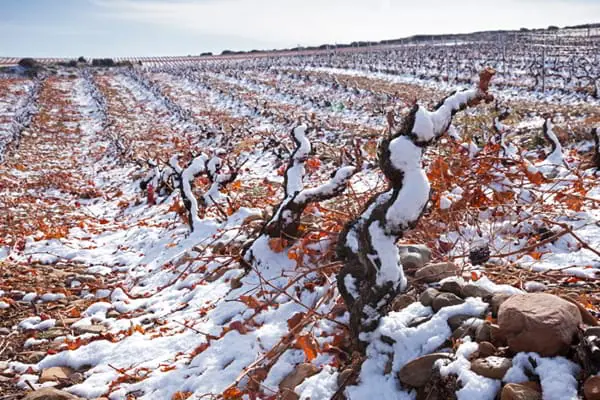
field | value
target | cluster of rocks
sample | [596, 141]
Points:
[531, 322]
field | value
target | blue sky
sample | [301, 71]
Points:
[96, 28]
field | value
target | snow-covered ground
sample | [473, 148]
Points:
[181, 315]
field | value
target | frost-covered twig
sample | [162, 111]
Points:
[372, 274]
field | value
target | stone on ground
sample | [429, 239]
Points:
[50, 394]
[417, 372]
[538, 322]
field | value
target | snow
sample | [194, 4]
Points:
[410, 343]
[320, 386]
[558, 376]
[36, 323]
[474, 386]
[180, 291]
[388, 255]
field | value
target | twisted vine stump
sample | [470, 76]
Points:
[286, 219]
[285, 222]
[173, 176]
[596, 157]
[372, 274]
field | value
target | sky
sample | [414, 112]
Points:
[119, 28]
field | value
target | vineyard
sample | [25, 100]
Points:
[400, 221]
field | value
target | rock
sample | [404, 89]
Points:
[496, 336]
[538, 322]
[411, 261]
[50, 394]
[471, 290]
[515, 391]
[53, 374]
[463, 331]
[456, 321]
[427, 296]
[586, 316]
[423, 251]
[4, 331]
[533, 286]
[591, 388]
[95, 329]
[35, 357]
[532, 385]
[496, 301]
[453, 287]
[294, 378]
[401, 301]
[445, 300]
[436, 272]
[53, 333]
[483, 333]
[486, 349]
[65, 322]
[416, 373]
[491, 367]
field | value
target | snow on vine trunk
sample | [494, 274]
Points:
[556, 156]
[372, 274]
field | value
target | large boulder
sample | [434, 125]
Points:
[538, 322]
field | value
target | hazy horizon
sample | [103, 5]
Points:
[118, 28]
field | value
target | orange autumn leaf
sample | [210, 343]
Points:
[536, 255]
[277, 244]
[74, 313]
[534, 177]
[313, 164]
[295, 320]
[251, 302]
[293, 255]
[232, 394]
[181, 395]
[308, 344]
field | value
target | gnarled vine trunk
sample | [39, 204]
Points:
[372, 274]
